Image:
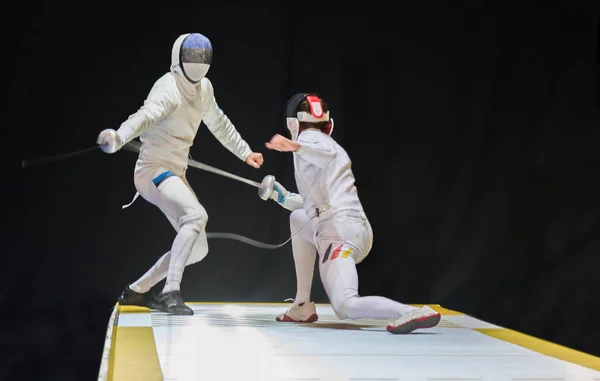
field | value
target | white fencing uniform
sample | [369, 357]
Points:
[168, 123]
[340, 233]
[327, 217]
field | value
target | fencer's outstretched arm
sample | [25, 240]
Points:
[221, 127]
[315, 151]
[288, 200]
[163, 99]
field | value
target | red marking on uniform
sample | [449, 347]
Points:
[336, 252]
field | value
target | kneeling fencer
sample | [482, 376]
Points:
[167, 124]
[332, 222]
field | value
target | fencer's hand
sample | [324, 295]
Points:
[279, 193]
[109, 141]
[282, 144]
[255, 159]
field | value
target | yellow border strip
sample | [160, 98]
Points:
[440, 309]
[134, 309]
[111, 357]
[542, 346]
[137, 358]
[133, 354]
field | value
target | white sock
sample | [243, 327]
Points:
[305, 254]
[152, 276]
[180, 252]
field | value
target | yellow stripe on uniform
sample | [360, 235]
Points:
[346, 253]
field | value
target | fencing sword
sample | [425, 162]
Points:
[53, 158]
[264, 188]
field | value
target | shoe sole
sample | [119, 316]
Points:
[188, 312]
[420, 323]
[150, 305]
[126, 303]
[287, 319]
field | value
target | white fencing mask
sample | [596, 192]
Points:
[293, 117]
[192, 55]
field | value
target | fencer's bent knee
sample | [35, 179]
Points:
[196, 220]
[341, 308]
[344, 309]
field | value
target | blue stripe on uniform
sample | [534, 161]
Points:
[160, 178]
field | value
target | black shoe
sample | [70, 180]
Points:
[172, 302]
[132, 298]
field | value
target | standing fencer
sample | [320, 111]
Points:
[167, 124]
[328, 217]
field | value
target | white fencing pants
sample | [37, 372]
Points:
[342, 241]
[175, 198]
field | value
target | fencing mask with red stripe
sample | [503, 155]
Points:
[293, 117]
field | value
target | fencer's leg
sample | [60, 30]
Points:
[191, 222]
[175, 199]
[199, 250]
[305, 253]
[340, 280]
[152, 276]
[159, 271]
[137, 292]
[180, 254]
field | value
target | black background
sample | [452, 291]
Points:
[473, 130]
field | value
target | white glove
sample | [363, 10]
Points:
[288, 200]
[109, 141]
